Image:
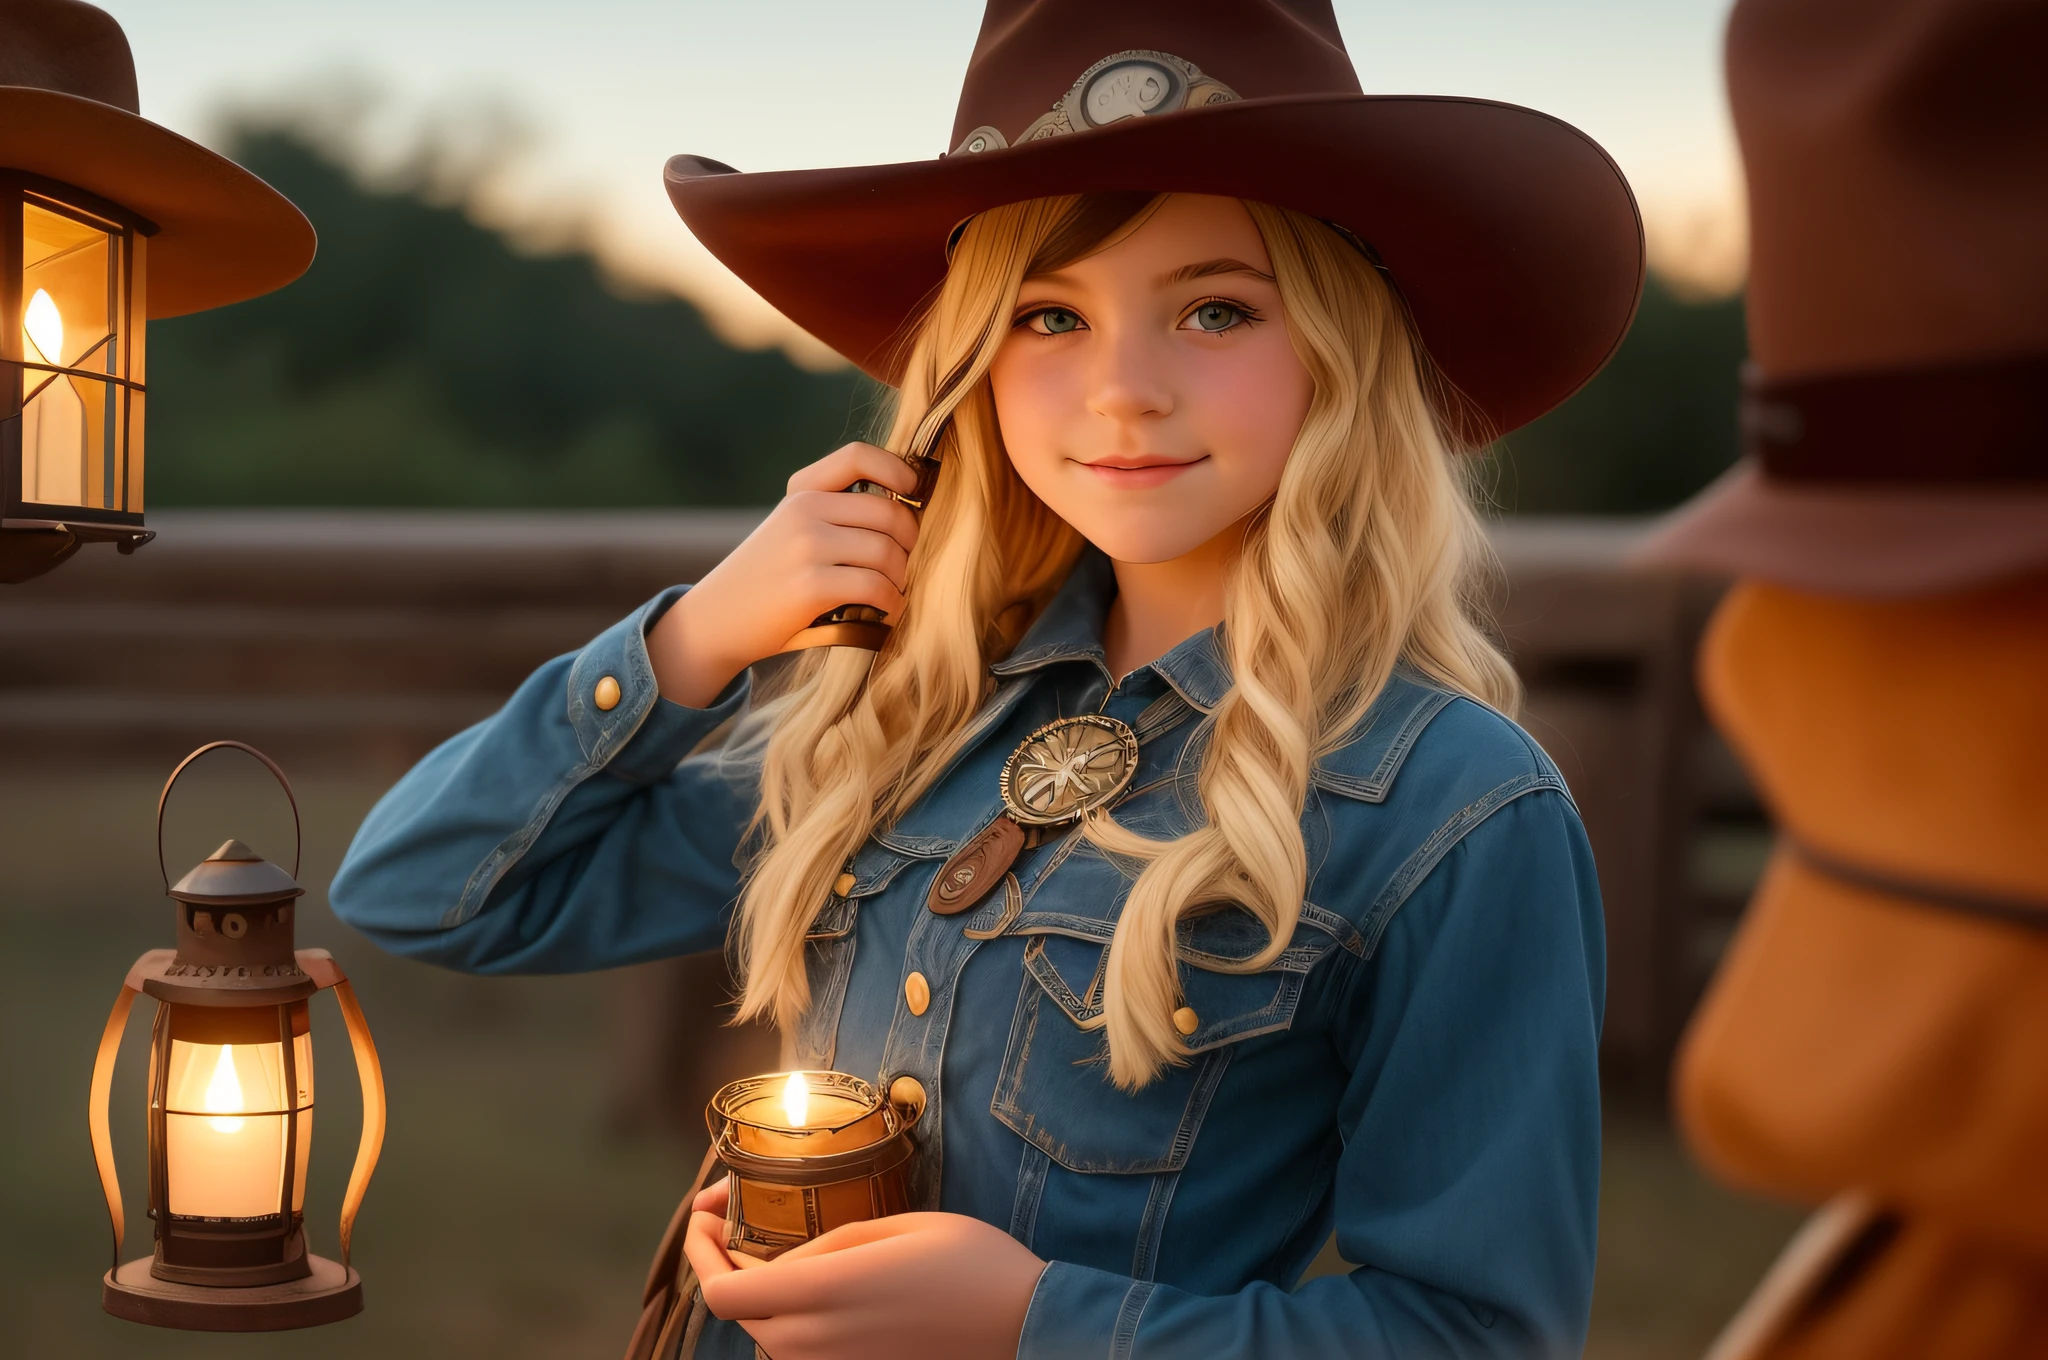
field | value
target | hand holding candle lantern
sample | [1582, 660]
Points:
[231, 1106]
[810, 1152]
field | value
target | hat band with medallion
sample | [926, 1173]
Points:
[1122, 85]
[1511, 237]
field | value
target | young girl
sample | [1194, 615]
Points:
[1301, 933]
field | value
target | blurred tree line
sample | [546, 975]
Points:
[423, 361]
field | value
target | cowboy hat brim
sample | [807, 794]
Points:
[223, 235]
[1868, 540]
[1511, 235]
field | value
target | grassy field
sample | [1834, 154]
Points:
[506, 1220]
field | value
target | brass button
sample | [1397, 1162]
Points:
[918, 993]
[1186, 1021]
[907, 1094]
[606, 695]
[843, 885]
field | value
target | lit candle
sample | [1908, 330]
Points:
[53, 429]
[791, 1115]
[808, 1151]
[224, 1128]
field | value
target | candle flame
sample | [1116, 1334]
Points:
[796, 1100]
[43, 324]
[224, 1092]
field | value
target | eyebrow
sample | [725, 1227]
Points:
[1211, 268]
[1201, 270]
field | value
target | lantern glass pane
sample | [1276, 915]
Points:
[224, 1127]
[73, 423]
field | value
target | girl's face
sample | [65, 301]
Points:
[1149, 394]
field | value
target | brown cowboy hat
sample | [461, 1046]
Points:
[69, 112]
[1513, 237]
[1895, 415]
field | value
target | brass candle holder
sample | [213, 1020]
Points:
[808, 1152]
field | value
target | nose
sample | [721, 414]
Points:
[1129, 379]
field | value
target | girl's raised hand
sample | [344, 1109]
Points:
[941, 1286]
[821, 547]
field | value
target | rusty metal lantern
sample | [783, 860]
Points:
[230, 1105]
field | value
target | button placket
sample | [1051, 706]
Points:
[916, 1047]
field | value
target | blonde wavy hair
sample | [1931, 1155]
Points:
[1366, 556]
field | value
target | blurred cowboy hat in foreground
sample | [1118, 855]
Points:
[1877, 1038]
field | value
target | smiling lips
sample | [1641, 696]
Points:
[1138, 472]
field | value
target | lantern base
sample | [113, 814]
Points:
[332, 1292]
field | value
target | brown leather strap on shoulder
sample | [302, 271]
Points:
[669, 1296]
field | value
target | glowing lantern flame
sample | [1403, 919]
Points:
[44, 326]
[796, 1100]
[224, 1092]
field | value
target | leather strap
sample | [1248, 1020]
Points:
[669, 1300]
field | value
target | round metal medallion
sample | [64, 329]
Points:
[1068, 768]
[1131, 88]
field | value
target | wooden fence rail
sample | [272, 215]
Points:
[362, 638]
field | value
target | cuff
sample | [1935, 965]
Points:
[640, 736]
[1078, 1313]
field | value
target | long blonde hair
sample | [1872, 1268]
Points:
[1365, 557]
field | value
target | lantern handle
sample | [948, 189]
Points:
[298, 828]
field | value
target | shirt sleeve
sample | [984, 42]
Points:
[1467, 1189]
[560, 835]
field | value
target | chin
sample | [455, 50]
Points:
[1148, 539]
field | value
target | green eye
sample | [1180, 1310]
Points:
[1215, 316]
[1054, 321]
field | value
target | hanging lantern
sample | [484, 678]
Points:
[106, 220]
[230, 1105]
[74, 268]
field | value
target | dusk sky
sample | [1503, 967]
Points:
[606, 90]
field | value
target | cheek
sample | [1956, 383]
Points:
[1250, 405]
[1030, 398]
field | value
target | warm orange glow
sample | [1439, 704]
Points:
[225, 1135]
[43, 324]
[224, 1092]
[796, 1100]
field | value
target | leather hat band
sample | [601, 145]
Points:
[1964, 424]
[1134, 84]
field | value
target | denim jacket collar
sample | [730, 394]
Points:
[1071, 627]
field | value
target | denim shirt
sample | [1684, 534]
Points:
[1416, 1071]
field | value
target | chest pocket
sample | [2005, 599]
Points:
[1055, 1091]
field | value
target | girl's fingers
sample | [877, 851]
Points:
[865, 548]
[852, 463]
[854, 585]
[780, 1287]
[713, 1198]
[860, 1234]
[704, 1246]
[858, 510]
